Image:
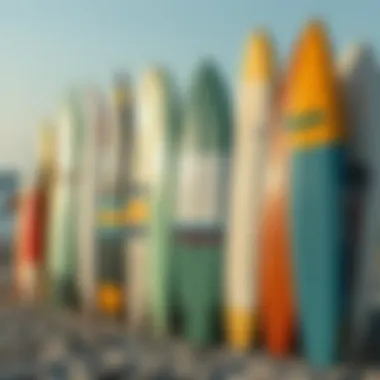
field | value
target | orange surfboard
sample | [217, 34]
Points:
[277, 305]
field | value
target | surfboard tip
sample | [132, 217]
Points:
[314, 31]
[258, 60]
[354, 53]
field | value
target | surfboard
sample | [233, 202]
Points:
[45, 178]
[92, 104]
[118, 136]
[27, 246]
[248, 172]
[201, 215]
[277, 308]
[17, 243]
[161, 104]
[313, 118]
[361, 84]
[32, 225]
[64, 230]
[148, 138]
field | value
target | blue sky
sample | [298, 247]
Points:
[47, 46]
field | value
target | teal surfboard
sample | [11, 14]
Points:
[313, 118]
[200, 219]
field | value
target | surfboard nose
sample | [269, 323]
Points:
[314, 32]
[312, 45]
[152, 79]
[258, 56]
[310, 102]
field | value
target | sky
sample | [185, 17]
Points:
[49, 46]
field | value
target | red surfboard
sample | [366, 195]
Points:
[30, 244]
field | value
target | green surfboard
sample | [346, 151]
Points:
[201, 203]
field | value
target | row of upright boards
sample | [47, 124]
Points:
[260, 219]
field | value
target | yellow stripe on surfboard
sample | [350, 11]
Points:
[315, 89]
[134, 213]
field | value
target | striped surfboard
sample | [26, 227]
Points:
[118, 136]
[200, 219]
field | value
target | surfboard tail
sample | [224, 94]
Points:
[199, 291]
[240, 328]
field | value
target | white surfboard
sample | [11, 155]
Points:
[254, 107]
[144, 159]
[360, 76]
[63, 234]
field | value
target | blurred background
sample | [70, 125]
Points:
[50, 47]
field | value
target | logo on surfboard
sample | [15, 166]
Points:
[306, 120]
